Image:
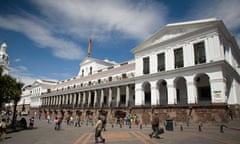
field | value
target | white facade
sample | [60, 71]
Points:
[219, 71]
[4, 60]
[26, 96]
[184, 66]
[31, 94]
[91, 66]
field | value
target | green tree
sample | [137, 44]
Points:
[10, 90]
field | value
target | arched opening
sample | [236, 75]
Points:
[103, 112]
[79, 113]
[89, 115]
[181, 91]
[162, 88]
[147, 94]
[92, 99]
[120, 115]
[203, 89]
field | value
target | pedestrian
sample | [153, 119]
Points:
[56, 122]
[49, 119]
[104, 122]
[71, 121]
[230, 114]
[77, 123]
[31, 122]
[3, 127]
[98, 131]
[155, 124]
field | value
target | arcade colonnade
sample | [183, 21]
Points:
[116, 96]
[200, 89]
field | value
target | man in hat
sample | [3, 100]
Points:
[155, 124]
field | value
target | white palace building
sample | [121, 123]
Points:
[185, 71]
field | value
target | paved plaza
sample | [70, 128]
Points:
[44, 133]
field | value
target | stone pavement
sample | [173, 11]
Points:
[44, 133]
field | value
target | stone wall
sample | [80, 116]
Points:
[184, 114]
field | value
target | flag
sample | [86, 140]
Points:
[89, 45]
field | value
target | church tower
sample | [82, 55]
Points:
[4, 60]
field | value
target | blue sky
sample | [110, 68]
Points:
[47, 39]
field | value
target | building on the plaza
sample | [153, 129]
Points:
[185, 71]
[4, 60]
[31, 95]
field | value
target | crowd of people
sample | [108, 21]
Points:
[100, 122]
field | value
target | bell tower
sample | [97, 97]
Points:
[4, 60]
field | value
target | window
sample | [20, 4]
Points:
[178, 54]
[146, 65]
[161, 62]
[199, 53]
[124, 76]
[82, 72]
[90, 71]
[109, 78]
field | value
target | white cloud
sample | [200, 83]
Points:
[134, 19]
[22, 74]
[226, 10]
[61, 20]
[42, 36]
[17, 60]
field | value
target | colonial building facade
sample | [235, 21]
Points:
[31, 95]
[186, 71]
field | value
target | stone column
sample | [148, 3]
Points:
[79, 99]
[63, 99]
[89, 98]
[95, 97]
[110, 96]
[70, 98]
[127, 95]
[172, 98]
[74, 100]
[102, 96]
[48, 101]
[57, 100]
[154, 95]
[118, 96]
[191, 90]
[139, 95]
[84, 98]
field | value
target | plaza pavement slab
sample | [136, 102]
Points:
[209, 133]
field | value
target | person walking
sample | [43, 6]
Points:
[3, 127]
[77, 123]
[155, 124]
[98, 131]
[104, 122]
[56, 122]
[31, 122]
